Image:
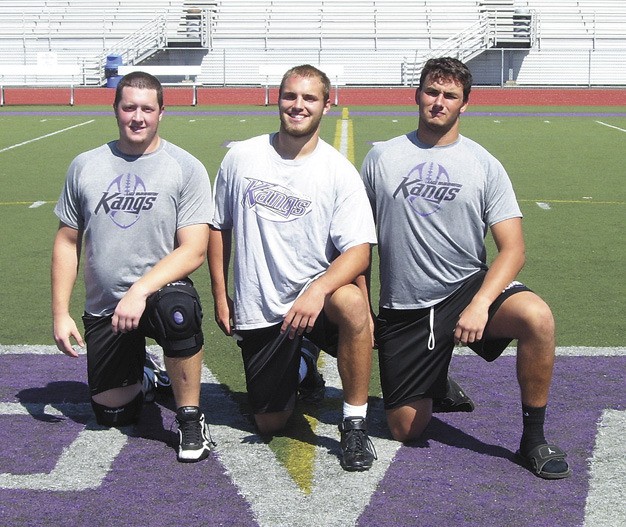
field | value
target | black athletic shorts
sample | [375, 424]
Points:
[117, 360]
[409, 370]
[113, 360]
[271, 362]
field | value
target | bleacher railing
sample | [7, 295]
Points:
[463, 46]
[136, 47]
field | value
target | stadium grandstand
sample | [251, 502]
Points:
[362, 42]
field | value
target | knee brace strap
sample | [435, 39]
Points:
[120, 416]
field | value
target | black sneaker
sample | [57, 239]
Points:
[357, 449]
[155, 380]
[454, 401]
[313, 386]
[195, 441]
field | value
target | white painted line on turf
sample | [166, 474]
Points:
[45, 136]
[543, 205]
[605, 505]
[251, 464]
[344, 141]
[42, 409]
[343, 145]
[562, 351]
[611, 126]
[83, 465]
[36, 204]
[34, 349]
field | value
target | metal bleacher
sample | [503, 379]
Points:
[50, 35]
[583, 23]
[338, 24]
[372, 42]
[565, 42]
[371, 39]
[580, 42]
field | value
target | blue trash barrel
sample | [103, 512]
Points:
[110, 70]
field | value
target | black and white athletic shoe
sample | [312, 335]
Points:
[313, 386]
[194, 438]
[357, 449]
[155, 380]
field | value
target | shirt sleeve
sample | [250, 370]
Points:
[501, 201]
[67, 208]
[222, 210]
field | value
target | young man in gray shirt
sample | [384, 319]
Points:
[141, 207]
[435, 193]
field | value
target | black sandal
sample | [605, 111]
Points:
[537, 459]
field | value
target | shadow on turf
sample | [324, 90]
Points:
[153, 424]
[57, 394]
[71, 399]
[446, 434]
[157, 421]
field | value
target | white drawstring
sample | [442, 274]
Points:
[431, 337]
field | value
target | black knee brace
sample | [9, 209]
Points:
[120, 416]
[174, 317]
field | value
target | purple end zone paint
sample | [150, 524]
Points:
[464, 472]
[145, 486]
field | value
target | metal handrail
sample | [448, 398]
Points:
[147, 40]
[463, 46]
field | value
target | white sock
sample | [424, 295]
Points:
[303, 369]
[354, 411]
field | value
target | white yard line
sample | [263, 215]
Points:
[611, 126]
[605, 504]
[45, 136]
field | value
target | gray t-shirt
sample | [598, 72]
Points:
[290, 219]
[433, 207]
[129, 209]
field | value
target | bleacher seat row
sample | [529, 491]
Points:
[376, 41]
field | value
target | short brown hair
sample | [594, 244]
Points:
[448, 68]
[141, 80]
[307, 71]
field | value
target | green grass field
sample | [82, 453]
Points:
[568, 173]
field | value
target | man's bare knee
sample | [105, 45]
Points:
[542, 320]
[271, 423]
[408, 422]
[525, 317]
[347, 305]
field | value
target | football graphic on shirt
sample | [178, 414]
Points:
[427, 186]
[125, 199]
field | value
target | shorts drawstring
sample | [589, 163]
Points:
[431, 337]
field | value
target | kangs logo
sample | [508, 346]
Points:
[274, 202]
[427, 187]
[124, 200]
